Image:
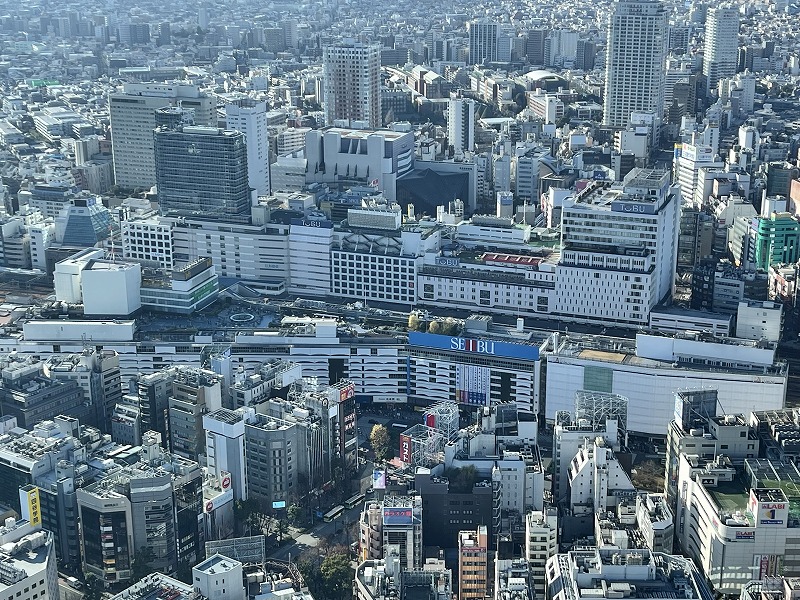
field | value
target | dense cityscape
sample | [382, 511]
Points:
[299, 301]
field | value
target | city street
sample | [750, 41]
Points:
[312, 538]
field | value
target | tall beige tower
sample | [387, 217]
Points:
[635, 56]
[352, 83]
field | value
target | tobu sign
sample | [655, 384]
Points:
[633, 207]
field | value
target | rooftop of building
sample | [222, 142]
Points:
[624, 351]
[591, 571]
[359, 134]
[730, 496]
[217, 564]
[23, 557]
[158, 587]
[771, 588]
[227, 416]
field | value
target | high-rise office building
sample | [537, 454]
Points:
[482, 41]
[202, 171]
[473, 562]
[721, 48]
[534, 46]
[635, 54]
[133, 120]
[250, 117]
[461, 124]
[352, 77]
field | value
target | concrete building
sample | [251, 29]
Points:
[183, 291]
[448, 510]
[473, 563]
[157, 585]
[738, 369]
[395, 522]
[224, 430]
[603, 275]
[597, 480]
[697, 429]
[759, 321]
[202, 172]
[351, 83]
[386, 578]
[359, 157]
[98, 375]
[110, 288]
[219, 577]
[39, 465]
[737, 524]
[30, 395]
[461, 124]
[541, 543]
[721, 45]
[154, 503]
[635, 55]
[148, 239]
[105, 287]
[195, 392]
[483, 41]
[250, 118]
[635, 574]
[27, 560]
[133, 118]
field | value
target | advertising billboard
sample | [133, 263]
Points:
[405, 448]
[473, 384]
[473, 346]
[378, 479]
[29, 496]
[398, 516]
[767, 565]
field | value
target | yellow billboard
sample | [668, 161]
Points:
[34, 505]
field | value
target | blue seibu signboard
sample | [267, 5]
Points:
[473, 346]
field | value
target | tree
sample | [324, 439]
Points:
[94, 587]
[379, 439]
[244, 508]
[337, 576]
[309, 569]
[142, 564]
[413, 322]
[435, 327]
[296, 515]
[282, 529]
[462, 480]
[450, 326]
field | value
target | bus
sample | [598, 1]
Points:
[400, 426]
[355, 500]
[333, 513]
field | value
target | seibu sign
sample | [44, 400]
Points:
[477, 346]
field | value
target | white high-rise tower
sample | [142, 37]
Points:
[352, 77]
[635, 55]
[721, 48]
[461, 124]
[250, 118]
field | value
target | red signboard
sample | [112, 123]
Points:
[405, 449]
